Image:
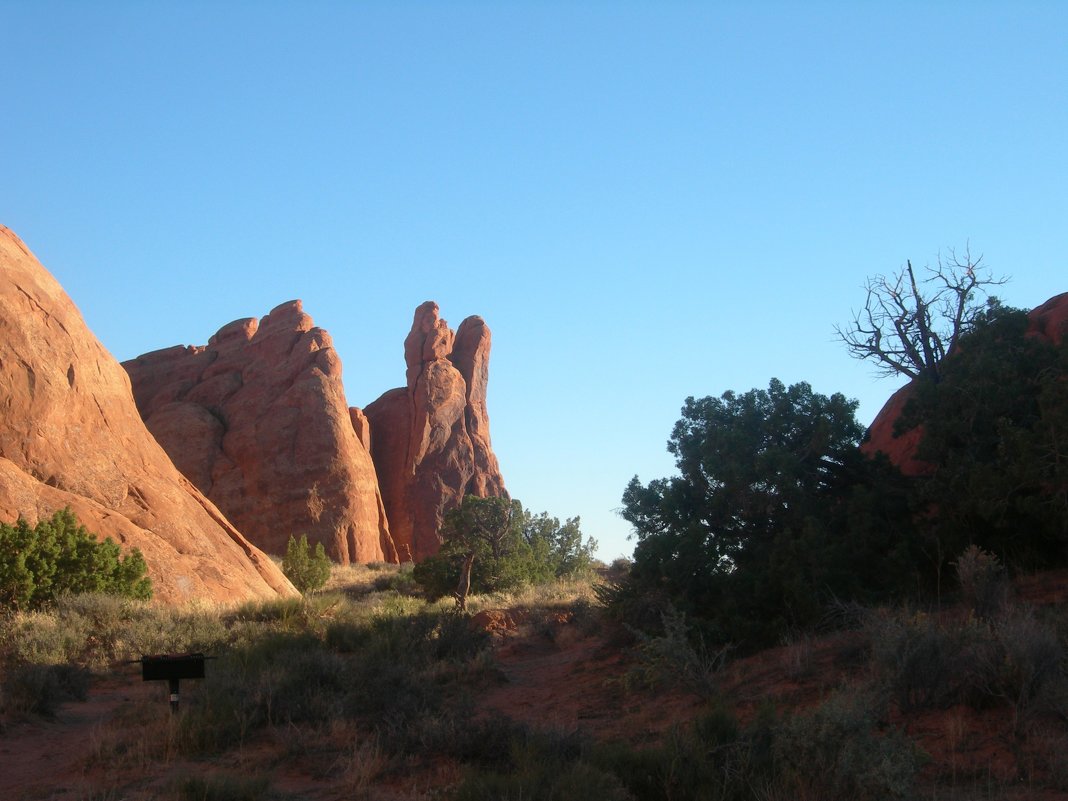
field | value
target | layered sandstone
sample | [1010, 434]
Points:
[430, 439]
[70, 435]
[257, 419]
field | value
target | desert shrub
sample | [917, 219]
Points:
[774, 508]
[680, 657]
[281, 678]
[495, 545]
[543, 766]
[558, 548]
[984, 583]
[920, 662]
[223, 787]
[1029, 668]
[326, 660]
[715, 759]
[400, 579]
[1015, 659]
[483, 550]
[59, 556]
[993, 429]
[836, 751]
[95, 631]
[632, 606]
[40, 689]
[307, 568]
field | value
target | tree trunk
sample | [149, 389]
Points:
[463, 587]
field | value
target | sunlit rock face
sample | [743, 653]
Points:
[71, 436]
[430, 439]
[257, 420]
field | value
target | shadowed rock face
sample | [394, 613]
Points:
[430, 440]
[1048, 321]
[257, 419]
[70, 435]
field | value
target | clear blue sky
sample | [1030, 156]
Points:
[645, 201]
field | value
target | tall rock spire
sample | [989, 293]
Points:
[430, 439]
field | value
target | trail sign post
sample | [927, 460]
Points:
[172, 668]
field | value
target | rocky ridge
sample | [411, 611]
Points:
[257, 420]
[71, 435]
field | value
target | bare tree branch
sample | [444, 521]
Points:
[908, 326]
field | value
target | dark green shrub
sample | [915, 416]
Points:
[1029, 667]
[836, 751]
[40, 689]
[1014, 660]
[223, 787]
[400, 579]
[984, 582]
[679, 656]
[923, 663]
[308, 569]
[558, 549]
[59, 556]
[494, 545]
[543, 766]
[774, 510]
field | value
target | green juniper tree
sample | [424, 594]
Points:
[59, 556]
[307, 568]
[773, 511]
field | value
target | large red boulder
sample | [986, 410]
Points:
[1048, 321]
[430, 439]
[257, 419]
[70, 435]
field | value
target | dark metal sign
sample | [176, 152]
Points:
[172, 668]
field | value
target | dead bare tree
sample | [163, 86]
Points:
[908, 326]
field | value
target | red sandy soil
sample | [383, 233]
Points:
[46, 758]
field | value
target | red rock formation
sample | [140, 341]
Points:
[430, 440]
[902, 449]
[70, 435]
[257, 419]
[1048, 321]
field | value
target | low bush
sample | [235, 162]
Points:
[58, 556]
[543, 766]
[39, 689]
[223, 787]
[95, 631]
[921, 662]
[984, 582]
[837, 751]
[307, 568]
[680, 657]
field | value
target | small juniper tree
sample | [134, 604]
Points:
[308, 569]
[59, 556]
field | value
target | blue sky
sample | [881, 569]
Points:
[645, 201]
